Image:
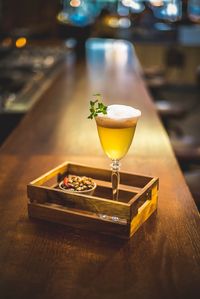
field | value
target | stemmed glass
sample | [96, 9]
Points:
[116, 131]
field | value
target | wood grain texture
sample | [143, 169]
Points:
[41, 260]
[76, 219]
[75, 201]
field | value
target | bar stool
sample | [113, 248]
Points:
[175, 103]
[158, 77]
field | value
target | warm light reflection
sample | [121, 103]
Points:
[115, 22]
[116, 53]
[75, 3]
[172, 9]
[126, 2]
[135, 5]
[112, 22]
[21, 42]
[63, 17]
[156, 2]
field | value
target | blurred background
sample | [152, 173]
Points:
[35, 37]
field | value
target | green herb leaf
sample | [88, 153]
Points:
[96, 106]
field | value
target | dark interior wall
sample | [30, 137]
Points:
[33, 14]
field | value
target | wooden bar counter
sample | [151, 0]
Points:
[45, 260]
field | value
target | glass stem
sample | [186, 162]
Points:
[115, 178]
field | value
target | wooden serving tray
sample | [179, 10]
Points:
[138, 197]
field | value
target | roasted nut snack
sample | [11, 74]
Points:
[77, 183]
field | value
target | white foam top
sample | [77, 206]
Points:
[118, 116]
[122, 111]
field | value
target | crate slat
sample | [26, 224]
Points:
[97, 205]
[77, 220]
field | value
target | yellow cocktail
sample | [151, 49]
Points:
[116, 130]
[116, 141]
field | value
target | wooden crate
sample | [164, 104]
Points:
[138, 197]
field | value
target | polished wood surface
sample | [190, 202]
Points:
[45, 260]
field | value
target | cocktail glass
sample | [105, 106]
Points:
[116, 131]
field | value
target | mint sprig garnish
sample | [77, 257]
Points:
[96, 106]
